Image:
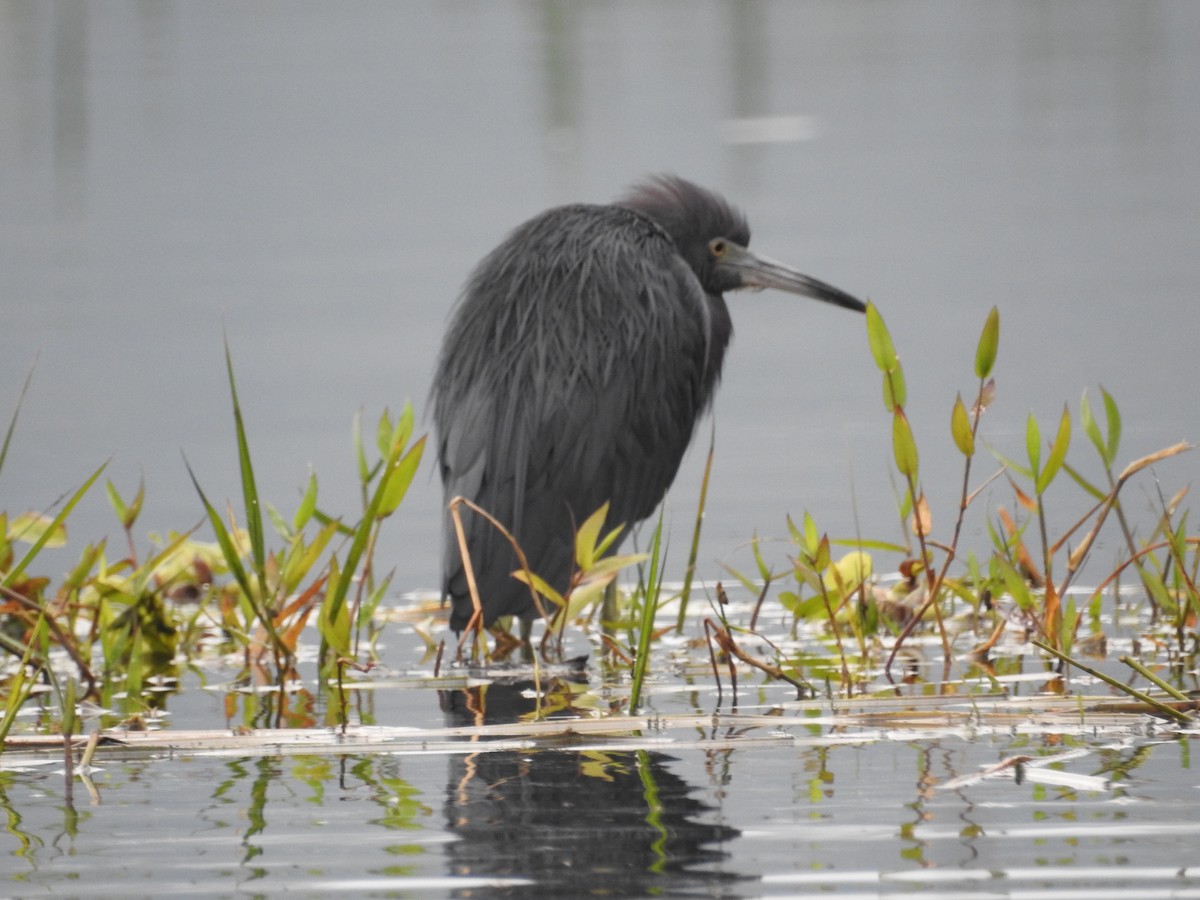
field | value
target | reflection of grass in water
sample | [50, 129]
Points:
[110, 627]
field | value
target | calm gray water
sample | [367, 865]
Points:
[318, 179]
[766, 823]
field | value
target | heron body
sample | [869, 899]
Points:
[580, 356]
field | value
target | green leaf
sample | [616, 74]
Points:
[383, 435]
[861, 544]
[611, 565]
[960, 428]
[608, 540]
[32, 527]
[1090, 428]
[541, 586]
[989, 342]
[895, 392]
[115, 501]
[397, 478]
[83, 568]
[845, 576]
[820, 560]
[333, 620]
[1095, 492]
[880, 340]
[1033, 446]
[903, 445]
[1015, 584]
[586, 537]
[230, 553]
[812, 538]
[360, 453]
[1066, 632]
[797, 537]
[1114, 426]
[1009, 463]
[299, 563]
[1058, 452]
[586, 595]
[404, 427]
[764, 572]
[308, 503]
[280, 526]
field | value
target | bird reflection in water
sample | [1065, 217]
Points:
[574, 822]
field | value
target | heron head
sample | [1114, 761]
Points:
[713, 237]
[734, 267]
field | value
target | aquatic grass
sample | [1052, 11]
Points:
[133, 613]
[930, 581]
[694, 551]
[261, 591]
[650, 582]
[12, 421]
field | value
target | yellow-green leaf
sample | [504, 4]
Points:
[820, 559]
[960, 428]
[30, 527]
[541, 586]
[399, 477]
[611, 565]
[1114, 426]
[115, 501]
[989, 342]
[1058, 452]
[308, 504]
[903, 445]
[383, 434]
[895, 392]
[1033, 446]
[845, 575]
[1090, 428]
[1015, 583]
[812, 537]
[587, 536]
[880, 340]
[586, 595]
[404, 428]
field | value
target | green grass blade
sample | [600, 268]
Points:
[694, 551]
[17, 570]
[233, 561]
[397, 468]
[12, 423]
[651, 587]
[253, 511]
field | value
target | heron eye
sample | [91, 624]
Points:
[717, 247]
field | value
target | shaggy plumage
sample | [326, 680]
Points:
[581, 354]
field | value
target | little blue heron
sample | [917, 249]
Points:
[581, 354]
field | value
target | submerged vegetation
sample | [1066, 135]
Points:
[124, 619]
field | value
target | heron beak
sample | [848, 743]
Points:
[762, 272]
